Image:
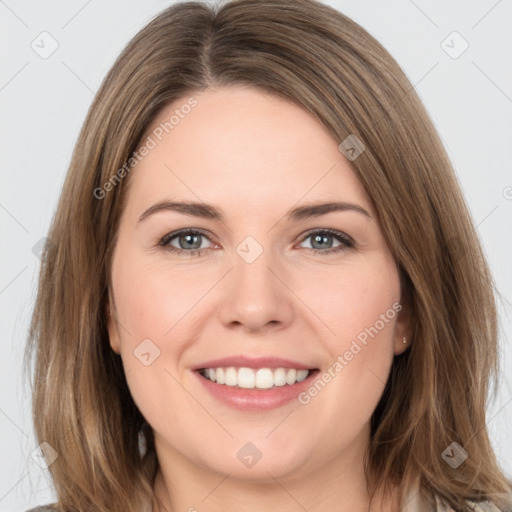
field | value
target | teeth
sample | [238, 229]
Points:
[264, 378]
[220, 376]
[247, 378]
[291, 376]
[231, 377]
[302, 374]
[279, 377]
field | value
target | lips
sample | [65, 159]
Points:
[253, 362]
[254, 383]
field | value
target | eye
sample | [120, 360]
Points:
[321, 241]
[188, 241]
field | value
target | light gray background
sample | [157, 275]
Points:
[43, 103]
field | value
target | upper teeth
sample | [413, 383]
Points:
[263, 378]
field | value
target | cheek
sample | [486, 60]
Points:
[154, 313]
[357, 302]
[153, 304]
[159, 317]
[361, 311]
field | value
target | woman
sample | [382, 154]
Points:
[259, 369]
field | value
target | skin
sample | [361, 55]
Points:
[254, 156]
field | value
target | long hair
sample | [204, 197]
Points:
[313, 55]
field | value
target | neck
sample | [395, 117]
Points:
[181, 485]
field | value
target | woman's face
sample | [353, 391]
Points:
[267, 287]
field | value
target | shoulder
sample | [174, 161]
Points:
[484, 506]
[481, 506]
[418, 503]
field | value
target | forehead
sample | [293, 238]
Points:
[242, 148]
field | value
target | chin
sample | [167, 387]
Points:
[259, 461]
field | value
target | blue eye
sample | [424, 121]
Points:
[187, 241]
[190, 241]
[321, 237]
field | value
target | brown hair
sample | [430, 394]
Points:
[318, 58]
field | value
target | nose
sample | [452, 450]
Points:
[255, 295]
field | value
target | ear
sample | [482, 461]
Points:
[113, 330]
[403, 330]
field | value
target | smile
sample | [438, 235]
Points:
[255, 389]
[251, 378]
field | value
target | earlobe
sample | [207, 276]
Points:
[403, 337]
[401, 345]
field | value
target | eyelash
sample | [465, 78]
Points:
[346, 241]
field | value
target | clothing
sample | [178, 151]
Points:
[413, 505]
[416, 504]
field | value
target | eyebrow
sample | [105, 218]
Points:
[208, 211]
